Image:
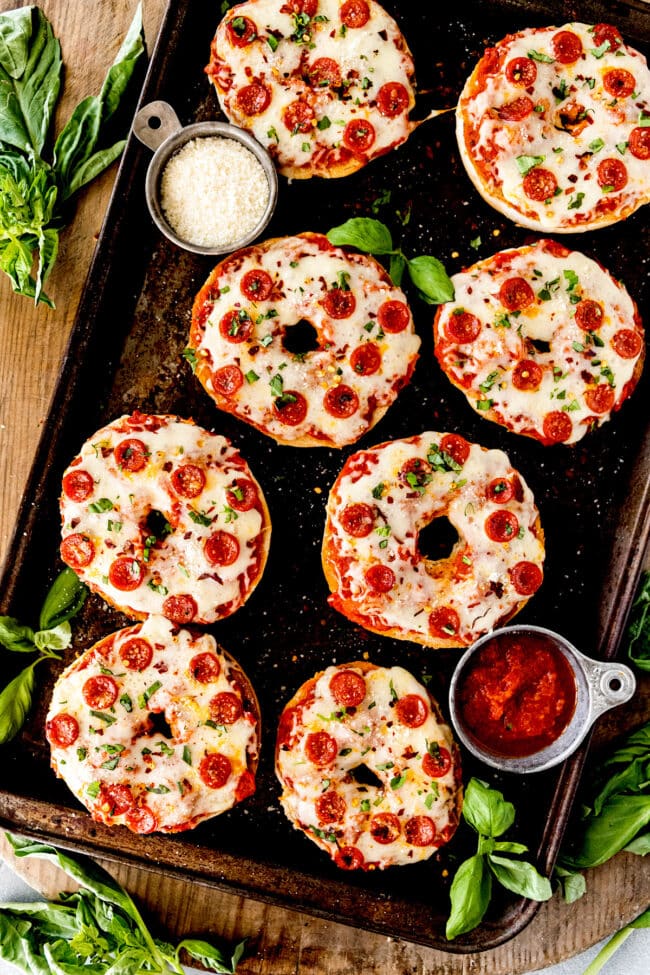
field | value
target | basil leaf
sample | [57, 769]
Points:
[211, 957]
[57, 638]
[366, 234]
[640, 846]
[16, 637]
[503, 847]
[572, 885]
[486, 810]
[15, 702]
[64, 599]
[621, 819]
[520, 877]
[637, 635]
[15, 32]
[470, 894]
[526, 163]
[430, 278]
[396, 268]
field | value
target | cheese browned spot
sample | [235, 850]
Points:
[386, 495]
[155, 728]
[542, 340]
[369, 770]
[326, 86]
[359, 342]
[161, 516]
[552, 127]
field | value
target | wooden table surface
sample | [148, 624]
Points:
[32, 344]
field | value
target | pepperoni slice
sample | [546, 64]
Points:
[339, 303]
[298, 117]
[253, 99]
[180, 609]
[456, 446]
[330, 808]
[411, 711]
[393, 316]
[590, 315]
[349, 857]
[527, 375]
[606, 32]
[100, 692]
[245, 786]
[236, 326]
[521, 71]
[463, 327]
[320, 748]
[141, 819]
[392, 99]
[420, 831]
[366, 359]
[639, 142]
[341, 401]
[221, 548]
[500, 490]
[117, 797]
[379, 577]
[557, 426]
[600, 399]
[205, 667]
[241, 31]
[385, 828]
[78, 485]
[355, 13]
[436, 762]
[357, 519]
[415, 473]
[136, 653]
[290, 408]
[516, 294]
[214, 770]
[619, 82]
[324, 73]
[502, 526]
[77, 551]
[612, 173]
[131, 455]
[242, 495]
[516, 110]
[188, 480]
[225, 708]
[227, 380]
[539, 184]
[567, 47]
[444, 622]
[359, 135]
[526, 578]
[348, 688]
[256, 285]
[62, 730]
[627, 343]
[126, 573]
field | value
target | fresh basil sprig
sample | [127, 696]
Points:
[34, 192]
[97, 929]
[638, 628]
[63, 601]
[373, 237]
[487, 812]
[615, 942]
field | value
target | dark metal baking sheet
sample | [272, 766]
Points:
[125, 353]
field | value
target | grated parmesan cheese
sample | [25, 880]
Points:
[213, 192]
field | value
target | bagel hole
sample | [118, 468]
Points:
[437, 539]
[540, 345]
[363, 775]
[159, 726]
[156, 524]
[301, 338]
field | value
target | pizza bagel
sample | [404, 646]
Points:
[552, 127]
[356, 342]
[356, 718]
[162, 517]
[381, 501]
[542, 340]
[155, 728]
[326, 86]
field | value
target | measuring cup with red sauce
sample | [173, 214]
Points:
[522, 698]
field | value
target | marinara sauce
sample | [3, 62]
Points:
[517, 694]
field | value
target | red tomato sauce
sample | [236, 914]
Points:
[517, 694]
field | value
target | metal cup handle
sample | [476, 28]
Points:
[154, 123]
[611, 684]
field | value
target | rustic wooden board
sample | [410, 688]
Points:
[32, 344]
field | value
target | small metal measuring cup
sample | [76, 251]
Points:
[158, 127]
[600, 685]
